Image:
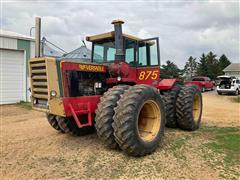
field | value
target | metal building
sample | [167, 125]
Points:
[82, 54]
[233, 70]
[15, 50]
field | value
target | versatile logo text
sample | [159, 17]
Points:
[96, 68]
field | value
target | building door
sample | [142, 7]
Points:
[12, 76]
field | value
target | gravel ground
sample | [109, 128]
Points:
[31, 149]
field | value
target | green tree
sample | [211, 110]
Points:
[223, 63]
[202, 68]
[190, 68]
[170, 70]
[213, 65]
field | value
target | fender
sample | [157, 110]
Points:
[167, 84]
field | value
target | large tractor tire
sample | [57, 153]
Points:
[189, 108]
[63, 123]
[105, 112]
[170, 99]
[139, 120]
[53, 122]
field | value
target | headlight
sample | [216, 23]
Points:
[119, 78]
[53, 93]
[98, 85]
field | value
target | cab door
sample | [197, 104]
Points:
[148, 62]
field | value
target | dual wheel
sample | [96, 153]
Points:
[183, 106]
[131, 118]
[67, 125]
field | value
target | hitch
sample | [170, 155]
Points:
[78, 112]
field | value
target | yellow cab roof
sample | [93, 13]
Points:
[109, 35]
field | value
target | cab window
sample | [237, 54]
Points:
[148, 54]
[104, 51]
[98, 53]
[142, 56]
[130, 52]
[153, 55]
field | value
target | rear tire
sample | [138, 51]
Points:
[189, 108]
[170, 99]
[139, 120]
[105, 113]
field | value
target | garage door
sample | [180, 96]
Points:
[12, 81]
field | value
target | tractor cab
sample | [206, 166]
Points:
[128, 58]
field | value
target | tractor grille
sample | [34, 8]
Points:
[39, 83]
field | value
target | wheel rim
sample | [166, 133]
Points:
[149, 120]
[196, 107]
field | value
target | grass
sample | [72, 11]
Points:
[26, 105]
[236, 99]
[177, 145]
[225, 141]
[218, 130]
[228, 145]
[222, 151]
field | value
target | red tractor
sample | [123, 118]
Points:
[119, 92]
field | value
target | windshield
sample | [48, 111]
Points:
[103, 51]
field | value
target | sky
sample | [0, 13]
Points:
[185, 28]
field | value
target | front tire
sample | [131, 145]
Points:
[139, 120]
[63, 123]
[53, 122]
[189, 108]
[105, 113]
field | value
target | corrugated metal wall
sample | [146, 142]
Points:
[8, 43]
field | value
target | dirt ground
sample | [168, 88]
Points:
[31, 149]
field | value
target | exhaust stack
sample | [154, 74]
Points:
[37, 37]
[120, 54]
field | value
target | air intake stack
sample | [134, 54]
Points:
[120, 54]
[37, 36]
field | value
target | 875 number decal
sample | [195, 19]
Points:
[144, 75]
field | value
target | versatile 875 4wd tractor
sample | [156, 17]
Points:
[119, 92]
